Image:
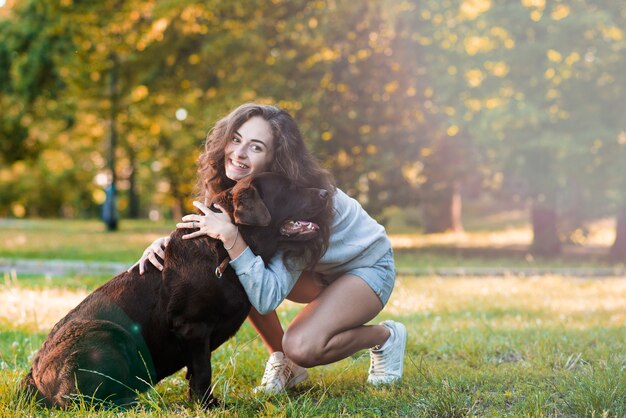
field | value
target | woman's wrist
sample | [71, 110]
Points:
[231, 246]
[229, 239]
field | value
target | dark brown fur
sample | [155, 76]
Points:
[137, 329]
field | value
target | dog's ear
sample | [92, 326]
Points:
[249, 207]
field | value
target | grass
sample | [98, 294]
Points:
[551, 346]
[485, 246]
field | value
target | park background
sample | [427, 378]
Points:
[488, 136]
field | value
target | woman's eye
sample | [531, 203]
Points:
[256, 148]
[235, 140]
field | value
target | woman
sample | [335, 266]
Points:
[345, 277]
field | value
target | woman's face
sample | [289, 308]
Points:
[249, 151]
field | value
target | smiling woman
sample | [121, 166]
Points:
[250, 149]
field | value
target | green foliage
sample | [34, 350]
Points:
[406, 102]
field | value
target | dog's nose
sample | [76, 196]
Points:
[323, 194]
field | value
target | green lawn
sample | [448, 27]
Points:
[478, 346]
[551, 346]
[88, 240]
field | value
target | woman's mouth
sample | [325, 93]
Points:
[239, 165]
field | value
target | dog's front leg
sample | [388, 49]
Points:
[199, 372]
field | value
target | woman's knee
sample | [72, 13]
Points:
[303, 350]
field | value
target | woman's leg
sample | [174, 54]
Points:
[331, 327]
[280, 372]
[307, 288]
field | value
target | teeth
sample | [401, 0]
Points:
[240, 165]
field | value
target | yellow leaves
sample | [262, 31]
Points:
[554, 56]
[475, 44]
[473, 105]
[471, 9]
[535, 15]
[493, 102]
[98, 196]
[613, 33]
[155, 129]
[312, 23]
[498, 69]
[343, 159]
[57, 161]
[621, 138]
[561, 11]
[553, 94]
[413, 173]
[139, 93]
[572, 58]
[193, 59]
[474, 77]
[326, 54]
[392, 86]
[537, 7]
[19, 211]
[426, 152]
[327, 136]
[537, 4]
[452, 130]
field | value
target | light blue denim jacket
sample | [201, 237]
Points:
[356, 240]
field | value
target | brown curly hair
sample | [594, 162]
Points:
[290, 157]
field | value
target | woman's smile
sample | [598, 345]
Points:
[249, 151]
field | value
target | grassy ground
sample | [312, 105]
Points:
[484, 246]
[513, 346]
[550, 346]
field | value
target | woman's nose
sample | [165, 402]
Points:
[240, 151]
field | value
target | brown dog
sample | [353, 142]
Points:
[137, 329]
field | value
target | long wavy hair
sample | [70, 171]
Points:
[290, 157]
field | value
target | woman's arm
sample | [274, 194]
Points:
[266, 287]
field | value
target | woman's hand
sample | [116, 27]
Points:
[214, 224]
[157, 248]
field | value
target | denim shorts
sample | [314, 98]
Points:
[380, 277]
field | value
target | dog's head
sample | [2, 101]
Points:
[269, 208]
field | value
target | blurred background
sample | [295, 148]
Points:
[421, 109]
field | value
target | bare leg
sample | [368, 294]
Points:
[331, 327]
[268, 326]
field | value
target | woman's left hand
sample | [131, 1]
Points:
[214, 224]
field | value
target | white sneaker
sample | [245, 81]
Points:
[386, 364]
[280, 374]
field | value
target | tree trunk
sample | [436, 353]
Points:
[441, 210]
[546, 241]
[133, 195]
[618, 250]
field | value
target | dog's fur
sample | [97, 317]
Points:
[137, 329]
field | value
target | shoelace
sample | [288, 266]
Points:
[279, 369]
[378, 363]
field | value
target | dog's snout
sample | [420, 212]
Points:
[323, 194]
